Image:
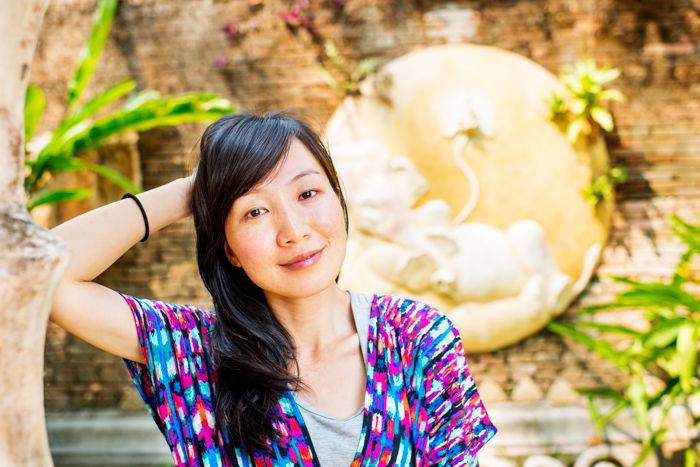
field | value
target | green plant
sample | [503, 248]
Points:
[82, 129]
[666, 349]
[581, 110]
[349, 84]
[602, 187]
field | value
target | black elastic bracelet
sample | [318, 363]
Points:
[143, 212]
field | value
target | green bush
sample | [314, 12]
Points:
[666, 350]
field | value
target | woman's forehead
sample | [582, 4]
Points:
[297, 164]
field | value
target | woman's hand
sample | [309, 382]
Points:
[188, 188]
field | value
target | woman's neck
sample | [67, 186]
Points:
[316, 321]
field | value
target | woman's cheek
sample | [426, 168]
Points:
[331, 218]
[253, 245]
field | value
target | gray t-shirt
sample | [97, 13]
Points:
[335, 439]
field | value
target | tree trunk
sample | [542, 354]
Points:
[32, 260]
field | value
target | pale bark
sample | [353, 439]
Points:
[31, 258]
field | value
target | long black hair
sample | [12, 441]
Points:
[250, 348]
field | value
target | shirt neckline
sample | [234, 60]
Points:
[306, 405]
[367, 399]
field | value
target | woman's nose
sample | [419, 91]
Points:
[293, 227]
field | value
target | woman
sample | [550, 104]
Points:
[289, 369]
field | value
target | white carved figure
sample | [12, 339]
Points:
[421, 249]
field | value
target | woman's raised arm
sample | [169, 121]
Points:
[90, 311]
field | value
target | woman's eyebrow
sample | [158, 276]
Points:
[303, 173]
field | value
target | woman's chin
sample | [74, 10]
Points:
[304, 286]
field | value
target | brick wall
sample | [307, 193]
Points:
[171, 46]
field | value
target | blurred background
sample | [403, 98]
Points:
[536, 148]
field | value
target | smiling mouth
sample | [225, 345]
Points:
[306, 261]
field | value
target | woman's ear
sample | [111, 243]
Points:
[231, 257]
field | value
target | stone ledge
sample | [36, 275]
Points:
[111, 437]
[531, 428]
[106, 437]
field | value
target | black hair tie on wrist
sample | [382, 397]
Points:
[143, 212]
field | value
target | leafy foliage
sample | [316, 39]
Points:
[82, 129]
[603, 187]
[667, 350]
[581, 110]
[349, 83]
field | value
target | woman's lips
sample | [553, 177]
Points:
[306, 262]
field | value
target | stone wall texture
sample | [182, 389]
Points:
[178, 45]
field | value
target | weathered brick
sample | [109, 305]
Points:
[169, 46]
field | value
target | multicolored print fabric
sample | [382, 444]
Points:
[421, 405]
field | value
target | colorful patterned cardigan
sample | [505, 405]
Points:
[421, 405]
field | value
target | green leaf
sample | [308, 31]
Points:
[365, 68]
[655, 294]
[663, 334]
[614, 411]
[572, 82]
[690, 457]
[611, 95]
[602, 117]
[58, 195]
[140, 98]
[606, 74]
[557, 106]
[647, 450]
[578, 107]
[79, 120]
[681, 275]
[596, 417]
[687, 346]
[34, 105]
[574, 129]
[599, 346]
[168, 111]
[609, 328]
[618, 174]
[600, 420]
[636, 393]
[333, 55]
[91, 51]
[114, 176]
[329, 80]
[64, 164]
[691, 240]
[680, 224]
[619, 304]
[97, 103]
[690, 234]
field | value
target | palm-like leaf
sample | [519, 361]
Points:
[34, 105]
[151, 111]
[58, 195]
[192, 107]
[90, 53]
[83, 130]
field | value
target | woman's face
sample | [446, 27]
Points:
[288, 232]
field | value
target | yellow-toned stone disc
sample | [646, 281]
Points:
[525, 169]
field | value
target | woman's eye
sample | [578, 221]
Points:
[257, 211]
[304, 194]
[254, 212]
